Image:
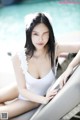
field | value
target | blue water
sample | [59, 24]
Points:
[65, 18]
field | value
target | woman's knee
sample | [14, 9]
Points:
[1, 98]
[8, 93]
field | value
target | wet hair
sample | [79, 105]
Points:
[40, 18]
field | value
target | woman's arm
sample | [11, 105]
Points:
[22, 84]
[75, 61]
[70, 68]
[67, 48]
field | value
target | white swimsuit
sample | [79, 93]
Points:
[38, 86]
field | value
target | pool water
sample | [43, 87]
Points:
[65, 18]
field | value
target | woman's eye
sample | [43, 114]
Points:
[35, 34]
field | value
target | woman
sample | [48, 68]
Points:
[34, 67]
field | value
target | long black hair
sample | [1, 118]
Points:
[40, 18]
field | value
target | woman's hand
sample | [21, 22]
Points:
[65, 76]
[50, 95]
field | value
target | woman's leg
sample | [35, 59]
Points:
[17, 107]
[64, 101]
[8, 93]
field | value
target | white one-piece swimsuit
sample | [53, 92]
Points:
[37, 86]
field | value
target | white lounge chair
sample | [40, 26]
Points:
[63, 103]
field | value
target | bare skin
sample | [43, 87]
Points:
[17, 107]
[11, 104]
[8, 93]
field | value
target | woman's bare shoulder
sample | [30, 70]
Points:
[15, 59]
[19, 55]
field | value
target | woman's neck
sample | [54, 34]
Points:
[40, 53]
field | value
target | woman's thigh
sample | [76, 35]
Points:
[17, 107]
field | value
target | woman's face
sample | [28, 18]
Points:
[40, 36]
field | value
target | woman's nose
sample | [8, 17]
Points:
[40, 38]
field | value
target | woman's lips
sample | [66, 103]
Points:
[39, 43]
